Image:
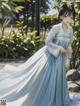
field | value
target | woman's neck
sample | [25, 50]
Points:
[65, 27]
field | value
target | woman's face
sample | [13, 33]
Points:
[68, 19]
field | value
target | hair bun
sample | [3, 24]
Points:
[65, 6]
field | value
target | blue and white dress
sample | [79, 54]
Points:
[41, 80]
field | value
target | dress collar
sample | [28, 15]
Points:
[63, 30]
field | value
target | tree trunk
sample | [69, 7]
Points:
[37, 17]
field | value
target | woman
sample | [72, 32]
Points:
[41, 80]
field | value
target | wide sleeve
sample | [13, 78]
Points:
[52, 47]
[71, 37]
[71, 41]
[68, 54]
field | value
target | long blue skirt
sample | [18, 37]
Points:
[40, 81]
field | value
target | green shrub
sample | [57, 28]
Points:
[16, 45]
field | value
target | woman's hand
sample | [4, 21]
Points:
[62, 50]
[69, 49]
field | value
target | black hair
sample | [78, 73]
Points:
[67, 9]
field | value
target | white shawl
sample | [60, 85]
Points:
[53, 48]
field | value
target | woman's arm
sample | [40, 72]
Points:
[68, 54]
[52, 47]
[70, 45]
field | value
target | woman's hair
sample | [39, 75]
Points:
[67, 10]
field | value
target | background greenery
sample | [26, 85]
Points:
[23, 42]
